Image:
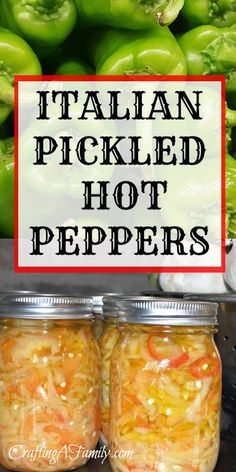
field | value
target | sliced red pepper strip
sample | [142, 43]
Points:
[206, 366]
[162, 354]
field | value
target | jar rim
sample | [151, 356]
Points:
[33, 305]
[171, 312]
[111, 305]
[98, 300]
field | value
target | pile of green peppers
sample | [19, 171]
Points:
[114, 37]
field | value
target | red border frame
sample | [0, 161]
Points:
[110, 269]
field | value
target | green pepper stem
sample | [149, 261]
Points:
[43, 6]
[224, 5]
[170, 12]
[49, 3]
[220, 55]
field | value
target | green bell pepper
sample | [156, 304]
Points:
[230, 177]
[43, 23]
[233, 143]
[230, 196]
[230, 118]
[74, 67]
[16, 57]
[53, 181]
[131, 14]
[7, 187]
[121, 52]
[210, 50]
[203, 195]
[230, 123]
[5, 110]
[210, 12]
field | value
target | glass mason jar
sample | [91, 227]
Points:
[98, 312]
[107, 343]
[165, 393]
[49, 382]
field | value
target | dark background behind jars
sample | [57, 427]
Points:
[65, 282]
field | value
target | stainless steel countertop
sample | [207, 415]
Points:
[226, 462]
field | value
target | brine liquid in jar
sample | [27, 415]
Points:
[165, 388]
[49, 379]
[107, 343]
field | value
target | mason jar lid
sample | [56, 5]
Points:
[110, 307]
[98, 301]
[111, 304]
[168, 312]
[29, 305]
